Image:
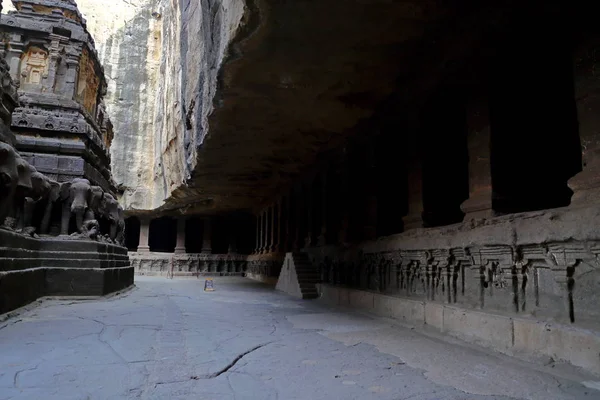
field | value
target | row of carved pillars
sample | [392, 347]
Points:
[206, 239]
[313, 213]
[510, 140]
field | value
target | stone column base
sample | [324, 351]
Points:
[478, 206]
[413, 221]
[586, 187]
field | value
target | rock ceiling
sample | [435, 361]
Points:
[301, 75]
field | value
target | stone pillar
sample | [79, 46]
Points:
[263, 231]
[322, 238]
[207, 236]
[307, 239]
[586, 184]
[260, 232]
[284, 224]
[268, 229]
[370, 186]
[414, 217]
[257, 248]
[265, 221]
[276, 226]
[344, 211]
[180, 246]
[291, 221]
[231, 234]
[144, 244]
[300, 219]
[479, 203]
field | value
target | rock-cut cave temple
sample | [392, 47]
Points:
[425, 160]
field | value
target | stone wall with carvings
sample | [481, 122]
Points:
[190, 264]
[543, 264]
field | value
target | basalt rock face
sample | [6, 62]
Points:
[162, 60]
[128, 40]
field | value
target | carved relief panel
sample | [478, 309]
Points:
[34, 66]
[88, 83]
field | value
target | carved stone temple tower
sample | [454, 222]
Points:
[61, 127]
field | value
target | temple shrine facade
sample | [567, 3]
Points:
[61, 126]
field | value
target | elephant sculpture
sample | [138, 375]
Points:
[51, 198]
[109, 209]
[40, 188]
[75, 197]
[120, 238]
[96, 196]
[8, 179]
[24, 188]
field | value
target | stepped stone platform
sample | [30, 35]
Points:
[31, 268]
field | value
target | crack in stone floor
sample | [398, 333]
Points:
[241, 344]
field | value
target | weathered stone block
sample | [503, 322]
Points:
[434, 315]
[329, 295]
[31, 268]
[484, 328]
[87, 282]
[384, 305]
[577, 346]
[19, 288]
[360, 299]
[409, 311]
[344, 296]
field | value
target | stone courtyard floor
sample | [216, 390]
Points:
[168, 339]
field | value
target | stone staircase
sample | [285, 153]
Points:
[298, 276]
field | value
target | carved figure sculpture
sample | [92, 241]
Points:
[75, 196]
[89, 230]
[8, 179]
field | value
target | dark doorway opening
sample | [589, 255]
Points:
[163, 235]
